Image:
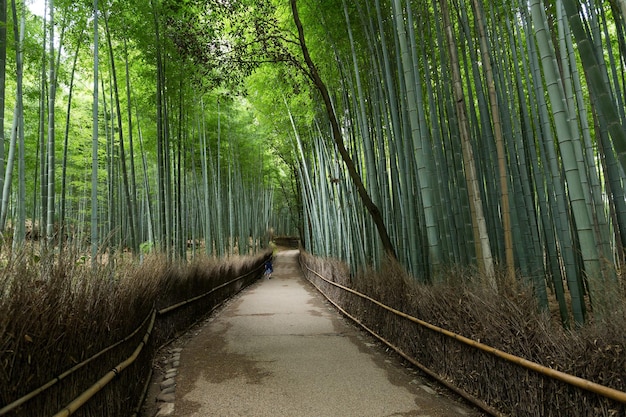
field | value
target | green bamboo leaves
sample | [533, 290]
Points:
[480, 129]
[201, 185]
[443, 133]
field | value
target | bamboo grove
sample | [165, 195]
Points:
[488, 134]
[444, 133]
[116, 143]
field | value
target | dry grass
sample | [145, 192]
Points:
[55, 313]
[183, 282]
[508, 320]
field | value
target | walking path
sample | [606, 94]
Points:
[278, 349]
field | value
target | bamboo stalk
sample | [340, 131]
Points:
[144, 393]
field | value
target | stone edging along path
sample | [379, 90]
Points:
[159, 401]
[165, 398]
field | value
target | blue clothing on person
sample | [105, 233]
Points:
[268, 269]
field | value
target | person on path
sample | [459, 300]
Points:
[268, 269]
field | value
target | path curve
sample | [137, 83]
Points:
[279, 349]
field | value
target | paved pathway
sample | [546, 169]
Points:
[278, 349]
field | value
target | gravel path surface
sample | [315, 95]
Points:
[278, 349]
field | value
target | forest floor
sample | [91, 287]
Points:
[279, 349]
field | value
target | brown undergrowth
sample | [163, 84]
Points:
[55, 313]
[508, 320]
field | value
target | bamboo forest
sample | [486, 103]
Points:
[473, 143]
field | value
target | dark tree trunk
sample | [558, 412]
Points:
[371, 207]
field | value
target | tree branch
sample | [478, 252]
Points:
[371, 207]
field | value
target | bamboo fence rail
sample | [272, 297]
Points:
[4, 410]
[572, 380]
[103, 381]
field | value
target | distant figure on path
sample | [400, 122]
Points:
[268, 269]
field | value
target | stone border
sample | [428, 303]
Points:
[166, 397]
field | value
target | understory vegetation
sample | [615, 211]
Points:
[509, 320]
[481, 144]
[57, 312]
